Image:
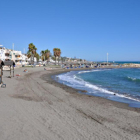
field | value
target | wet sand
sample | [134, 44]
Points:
[33, 106]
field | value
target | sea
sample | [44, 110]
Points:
[126, 62]
[121, 62]
[121, 85]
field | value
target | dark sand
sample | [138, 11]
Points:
[35, 107]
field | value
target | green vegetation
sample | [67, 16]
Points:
[57, 53]
[45, 55]
[32, 52]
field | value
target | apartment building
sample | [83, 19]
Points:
[16, 56]
[5, 54]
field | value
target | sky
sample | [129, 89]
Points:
[85, 29]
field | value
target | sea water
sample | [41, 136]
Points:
[121, 85]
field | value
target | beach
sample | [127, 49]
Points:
[33, 106]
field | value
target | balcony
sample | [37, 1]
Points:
[7, 54]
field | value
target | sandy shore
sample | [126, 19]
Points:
[35, 107]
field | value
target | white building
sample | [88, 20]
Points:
[16, 56]
[5, 54]
[2, 54]
[24, 59]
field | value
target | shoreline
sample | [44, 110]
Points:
[130, 100]
[49, 78]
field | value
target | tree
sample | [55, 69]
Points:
[42, 55]
[31, 52]
[28, 54]
[58, 54]
[47, 54]
[55, 54]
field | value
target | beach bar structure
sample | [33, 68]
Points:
[6, 63]
[78, 64]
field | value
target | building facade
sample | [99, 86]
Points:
[5, 54]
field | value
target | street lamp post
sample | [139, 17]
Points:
[13, 46]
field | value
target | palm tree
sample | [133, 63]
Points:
[32, 51]
[28, 54]
[47, 54]
[55, 54]
[42, 55]
[58, 54]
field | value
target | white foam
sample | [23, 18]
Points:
[93, 71]
[110, 92]
[88, 71]
[133, 79]
[76, 82]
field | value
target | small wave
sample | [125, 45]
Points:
[72, 80]
[111, 92]
[93, 71]
[134, 79]
[77, 78]
[88, 71]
